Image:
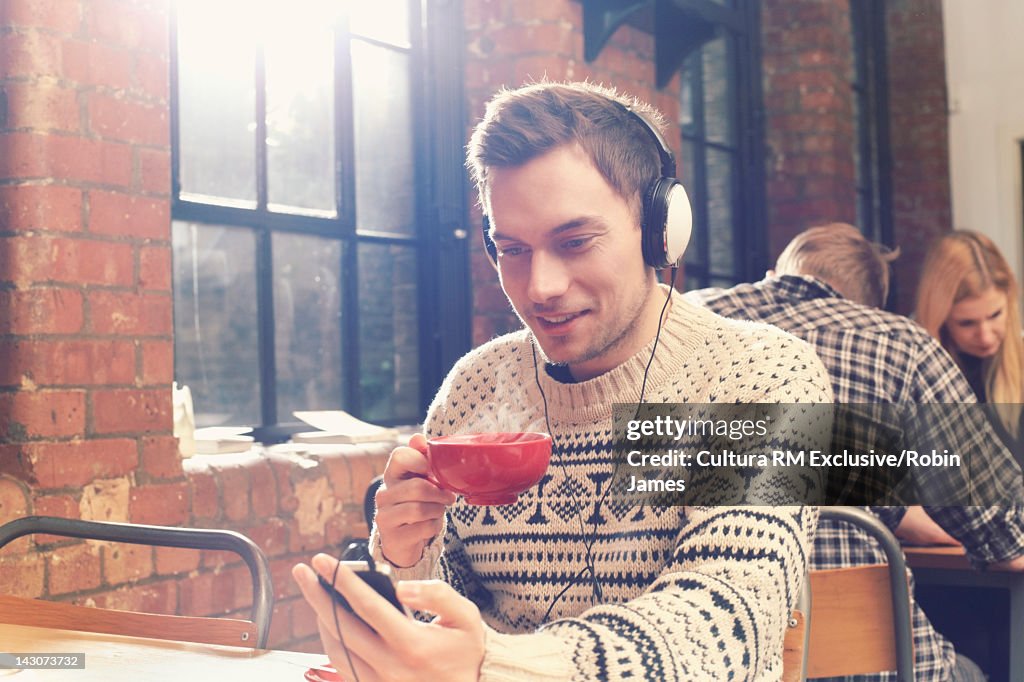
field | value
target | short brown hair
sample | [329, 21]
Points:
[522, 124]
[839, 255]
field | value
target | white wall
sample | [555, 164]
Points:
[985, 72]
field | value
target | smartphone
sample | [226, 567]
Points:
[379, 577]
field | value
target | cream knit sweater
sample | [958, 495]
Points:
[689, 593]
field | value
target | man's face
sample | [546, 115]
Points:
[977, 325]
[570, 261]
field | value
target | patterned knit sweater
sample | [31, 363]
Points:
[688, 593]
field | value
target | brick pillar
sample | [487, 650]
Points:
[513, 43]
[920, 137]
[86, 349]
[809, 125]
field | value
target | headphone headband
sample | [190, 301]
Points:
[668, 159]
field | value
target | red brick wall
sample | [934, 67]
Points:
[809, 128]
[86, 339]
[513, 43]
[809, 123]
[920, 137]
[85, 300]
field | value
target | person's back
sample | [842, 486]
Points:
[865, 350]
[874, 356]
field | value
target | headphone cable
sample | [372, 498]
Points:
[337, 625]
[636, 414]
[577, 507]
[597, 591]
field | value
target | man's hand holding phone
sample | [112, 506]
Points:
[410, 508]
[383, 642]
[379, 578]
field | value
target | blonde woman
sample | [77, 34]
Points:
[967, 299]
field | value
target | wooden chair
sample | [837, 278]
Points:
[859, 617]
[40, 613]
[853, 629]
[50, 614]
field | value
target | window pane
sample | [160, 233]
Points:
[722, 282]
[687, 97]
[695, 250]
[216, 101]
[718, 110]
[720, 203]
[385, 181]
[300, 107]
[307, 321]
[385, 20]
[389, 333]
[215, 346]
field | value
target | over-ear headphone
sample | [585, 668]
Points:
[667, 219]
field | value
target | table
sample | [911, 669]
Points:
[948, 566]
[115, 658]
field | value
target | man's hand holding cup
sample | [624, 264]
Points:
[410, 508]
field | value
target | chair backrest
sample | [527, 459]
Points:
[860, 616]
[163, 536]
[852, 626]
[50, 614]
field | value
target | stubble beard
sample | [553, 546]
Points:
[602, 346]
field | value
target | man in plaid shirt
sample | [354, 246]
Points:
[828, 288]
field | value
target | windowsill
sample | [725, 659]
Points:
[300, 456]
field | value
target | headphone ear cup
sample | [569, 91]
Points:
[667, 223]
[653, 227]
[678, 222]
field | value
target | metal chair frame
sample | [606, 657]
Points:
[164, 536]
[900, 591]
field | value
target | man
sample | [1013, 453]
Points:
[827, 288]
[558, 587]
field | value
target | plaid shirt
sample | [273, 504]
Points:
[878, 357]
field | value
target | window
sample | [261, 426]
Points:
[872, 159]
[302, 161]
[721, 150]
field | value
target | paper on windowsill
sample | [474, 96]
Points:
[217, 440]
[337, 426]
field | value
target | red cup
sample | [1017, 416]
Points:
[489, 468]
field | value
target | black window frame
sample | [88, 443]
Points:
[440, 240]
[870, 87]
[740, 22]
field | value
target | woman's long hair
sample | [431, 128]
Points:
[964, 264]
